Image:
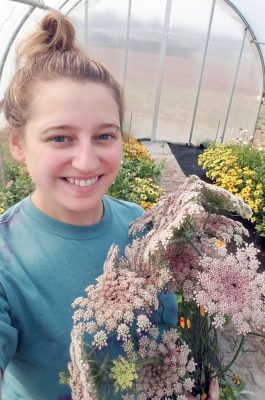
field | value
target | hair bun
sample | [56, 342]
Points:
[54, 33]
[59, 32]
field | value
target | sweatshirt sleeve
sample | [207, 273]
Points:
[8, 334]
[167, 313]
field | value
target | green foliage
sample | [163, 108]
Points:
[18, 184]
[138, 177]
[239, 168]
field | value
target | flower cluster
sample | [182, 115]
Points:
[168, 377]
[133, 150]
[185, 245]
[114, 302]
[146, 190]
[231, 287]
[138, 176]
[239, 168]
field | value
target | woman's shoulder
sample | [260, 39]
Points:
[10, 214]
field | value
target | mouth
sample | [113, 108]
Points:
[82, 182]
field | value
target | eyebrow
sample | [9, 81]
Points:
[69, 127]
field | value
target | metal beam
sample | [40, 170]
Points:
[62, 5]
[234, 83]
[202, 70]
[86, 22]
[125, 65]
[161, 68]
[13, 37]
[33, 3]
[19, 26]
[71, 9]
[257, 43]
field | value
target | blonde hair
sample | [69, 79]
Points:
[49, 53]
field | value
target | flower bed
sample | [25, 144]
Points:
[138, 177]
[240, 169]
[137, 180]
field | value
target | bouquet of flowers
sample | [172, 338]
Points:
[187, 248]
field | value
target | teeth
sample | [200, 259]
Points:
[82, 182]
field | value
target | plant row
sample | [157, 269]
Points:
[239, 168]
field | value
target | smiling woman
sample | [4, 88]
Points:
[72, 153]
[64, 114]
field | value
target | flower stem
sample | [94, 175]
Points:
[206, 221]
[155, 361]
[256, 334]
[195, 248]
[235, 355]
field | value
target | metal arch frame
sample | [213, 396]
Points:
[41, 4]
[34, 4]
[247, 28]
[202, 70]
[256, 42]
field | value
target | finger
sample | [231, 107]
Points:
[213, 393]
[189, 396]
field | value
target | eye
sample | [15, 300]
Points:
[106, 136]
[60, 139]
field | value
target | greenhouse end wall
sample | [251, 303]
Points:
[157, 54]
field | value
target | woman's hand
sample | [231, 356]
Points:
[213, 393]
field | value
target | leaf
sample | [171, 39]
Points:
[179, 298]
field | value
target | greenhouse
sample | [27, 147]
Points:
[192, 71]
[132, 245]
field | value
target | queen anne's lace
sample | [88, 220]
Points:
[186, 246]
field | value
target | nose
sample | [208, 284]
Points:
[85, 158]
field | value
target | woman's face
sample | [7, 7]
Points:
[72, 147]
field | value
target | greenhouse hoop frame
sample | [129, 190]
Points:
[247, 30]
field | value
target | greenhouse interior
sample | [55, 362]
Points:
[192, 71]
[179, 186]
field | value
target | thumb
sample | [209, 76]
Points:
[213, 393]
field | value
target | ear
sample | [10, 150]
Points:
[16, 146]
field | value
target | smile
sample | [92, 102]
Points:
[82, 182]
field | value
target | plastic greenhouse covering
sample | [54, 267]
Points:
[192, 70]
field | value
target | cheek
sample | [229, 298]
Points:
[42, 165]
[114, 158]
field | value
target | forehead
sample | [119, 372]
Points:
[72, 100]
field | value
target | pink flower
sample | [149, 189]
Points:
[81, 380]
[187, 210]
[118, 297]
[184, 263]
[168, 377]
[231, 287]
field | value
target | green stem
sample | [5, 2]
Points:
[195, 248]
[256, 334]
[206, 221]
[155, 361]
[235, 355]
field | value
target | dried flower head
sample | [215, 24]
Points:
[231, 287]
[165, 367]
[118, 297]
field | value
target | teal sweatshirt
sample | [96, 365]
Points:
[44, 266]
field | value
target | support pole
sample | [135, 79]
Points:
[161, 69]
[234, 84]
[126, 53]
[86, 22]
[202, 71]
[13, 37]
